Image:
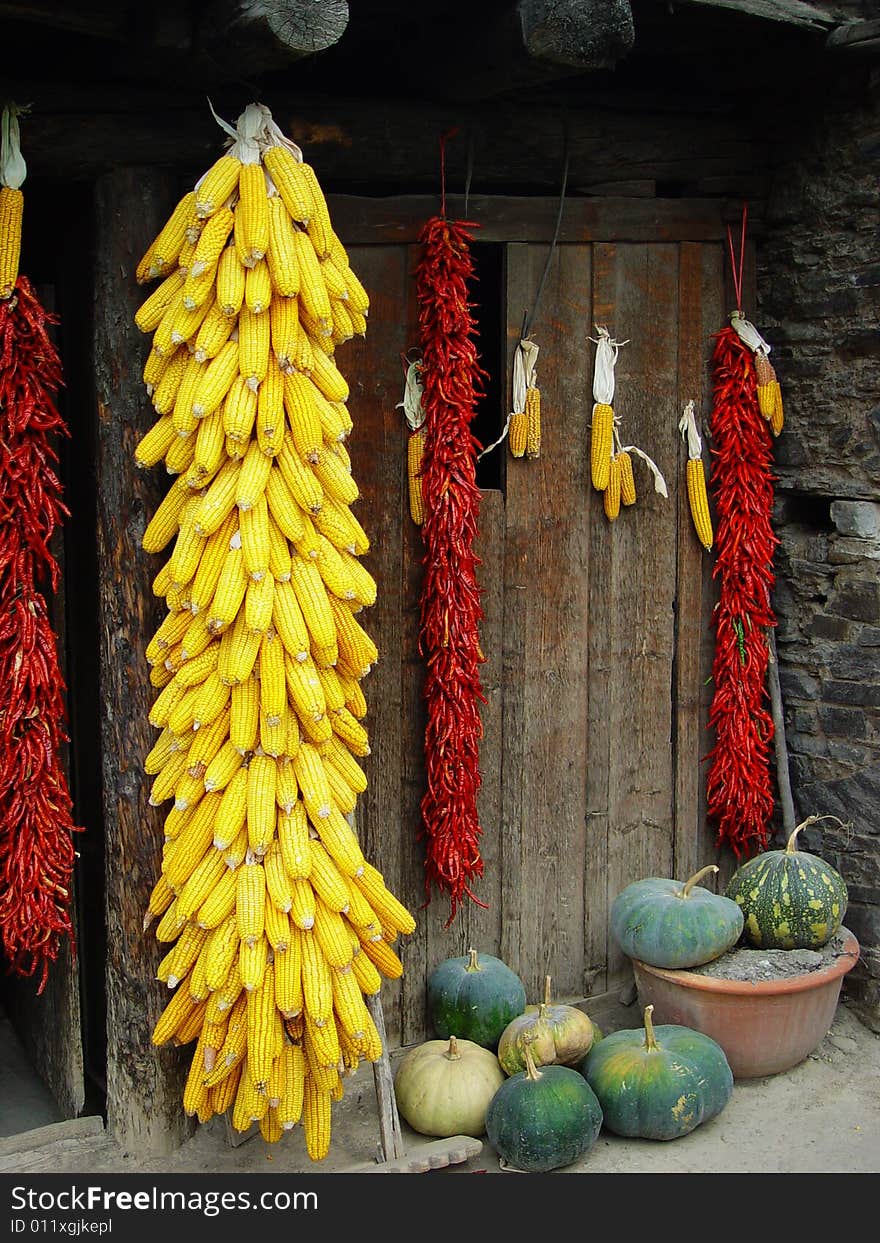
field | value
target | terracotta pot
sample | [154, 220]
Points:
[763, 1027]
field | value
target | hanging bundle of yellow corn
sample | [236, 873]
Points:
[611, 466]
[13, 171]
[767, 385]
[415, 418]
[696, 477]
[524, 433]
[275, 925]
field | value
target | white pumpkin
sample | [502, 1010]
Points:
[443, 1087]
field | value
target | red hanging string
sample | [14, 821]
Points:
[736, 268]
[444, 138]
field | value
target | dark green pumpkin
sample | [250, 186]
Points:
[474, 998]
[658, 1082]
[669, 924]
[539, 1120]
[790, 899]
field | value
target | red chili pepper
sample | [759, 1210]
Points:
[36, 824]
[450, 602]
[740, 798]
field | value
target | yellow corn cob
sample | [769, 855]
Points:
[225, 997]
[213, 333]
[242, 646]
[279, 553]
[155, 442]
[177, 962]
[317, 980]
[239, 411]
[253, 347]
[533, 420]
[283, 329]
[259, 598]
[274, 735]
[170, 633]
[277, 927]
[210, 445]
[366, 974]
[252, 477]
[278, 883]
[252, 958]
[341, 528]
[383, 958]
[261, 1019]
[293, 837]
[198, 988]
[336, 422]
[342, 325]
[319, 228]
[250, 902]
[187, 850]
[292, 186]
[231, 810]
[270, 1126]
[316, 1119]
[348, 1001]
[304, 689]
[222, 768]
[168, 243]
[208, 742]
[163, 786]
[249, 1105]
[314, 601]
[298, 477]
[601, 445]
[302, 904]
[187, 250]
[170, 925]
[627, 481]
[179, 457]
[288, 975]
[218, 501]
[244, 715]
[344, 797]
[356, 647]
[699, 501]
[218, 376]
[282, 507]
[414, 454]
[312, 781]
[281, 255]
[302, 357]
[212, 698]
[354, 696]
[212, 239]
[231, 279]
[217, 185]
[335, 480]
[334, 695]
[335, 752]
[261, 804]
[357, 295]
[222, 951]
[302, 415]
[340, 842]
[187, 547]
[200, 885]
[270, 411]
[322, 1050]
[151, 311]
[273, 690]
[611, 499]
[163, 344]
[213, 1032]
[255, 539]
[777, 415]
[220, 903]
[176, 1012]
[313, 297]
[390, 911]
[326, 880]
[286, 789]
[332, 934]
[164, 746]
[291, 1103]
[185, 323]
[349, 729]
[185, 421]
[334, 280]
[165, 701]
[193, 672]
[236, 852]
[518, 433]
[154, 367]
[222, 1095]
[161, 897]
[328, 378]
[234, 1046]
[252, 214]
[258, 288]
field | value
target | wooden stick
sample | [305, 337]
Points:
[392, 1146]
[783, 777]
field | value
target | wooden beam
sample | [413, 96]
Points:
[261, 35]
[854, 37]
[794, 12]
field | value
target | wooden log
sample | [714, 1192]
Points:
[855, 37]
[268, 34]
[144, 1084]
[580, 34]
[795, 12]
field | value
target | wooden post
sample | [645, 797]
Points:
[144, 1084]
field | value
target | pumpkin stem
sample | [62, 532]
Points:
[531, 1070]
[689, 884]
[791, 846]
[546, 990]
[472, 964]
[650, 1041]
[452, 1053]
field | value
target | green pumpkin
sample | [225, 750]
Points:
[559, 1035]
[789, 898]
[539, 1120]
[658, 1082]
[474, 998]
[443, 1087]
[669, 924]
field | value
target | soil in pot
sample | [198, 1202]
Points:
[742, 963]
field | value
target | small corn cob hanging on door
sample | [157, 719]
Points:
[274, 925]
[698, 499]
[415, 449]
[766, 384]
[525, 420]
[36, 819]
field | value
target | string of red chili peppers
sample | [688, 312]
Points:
[36, 846]
[740, 797]
[450, 599]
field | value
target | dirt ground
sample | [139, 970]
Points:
[822, 1116]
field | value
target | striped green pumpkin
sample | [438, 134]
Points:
[789, 898]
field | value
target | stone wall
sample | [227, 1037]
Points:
[819, 306]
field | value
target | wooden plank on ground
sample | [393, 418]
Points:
[545, 637]
[144, 1084]
[372, 367]
[633, 586]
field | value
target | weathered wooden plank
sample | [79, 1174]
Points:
[545, 637]
[144, 1084]
[636, 293]
[506, 218]
[372, 368]
[268, 34]
[794, 12]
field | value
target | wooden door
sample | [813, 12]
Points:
[597, 634]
